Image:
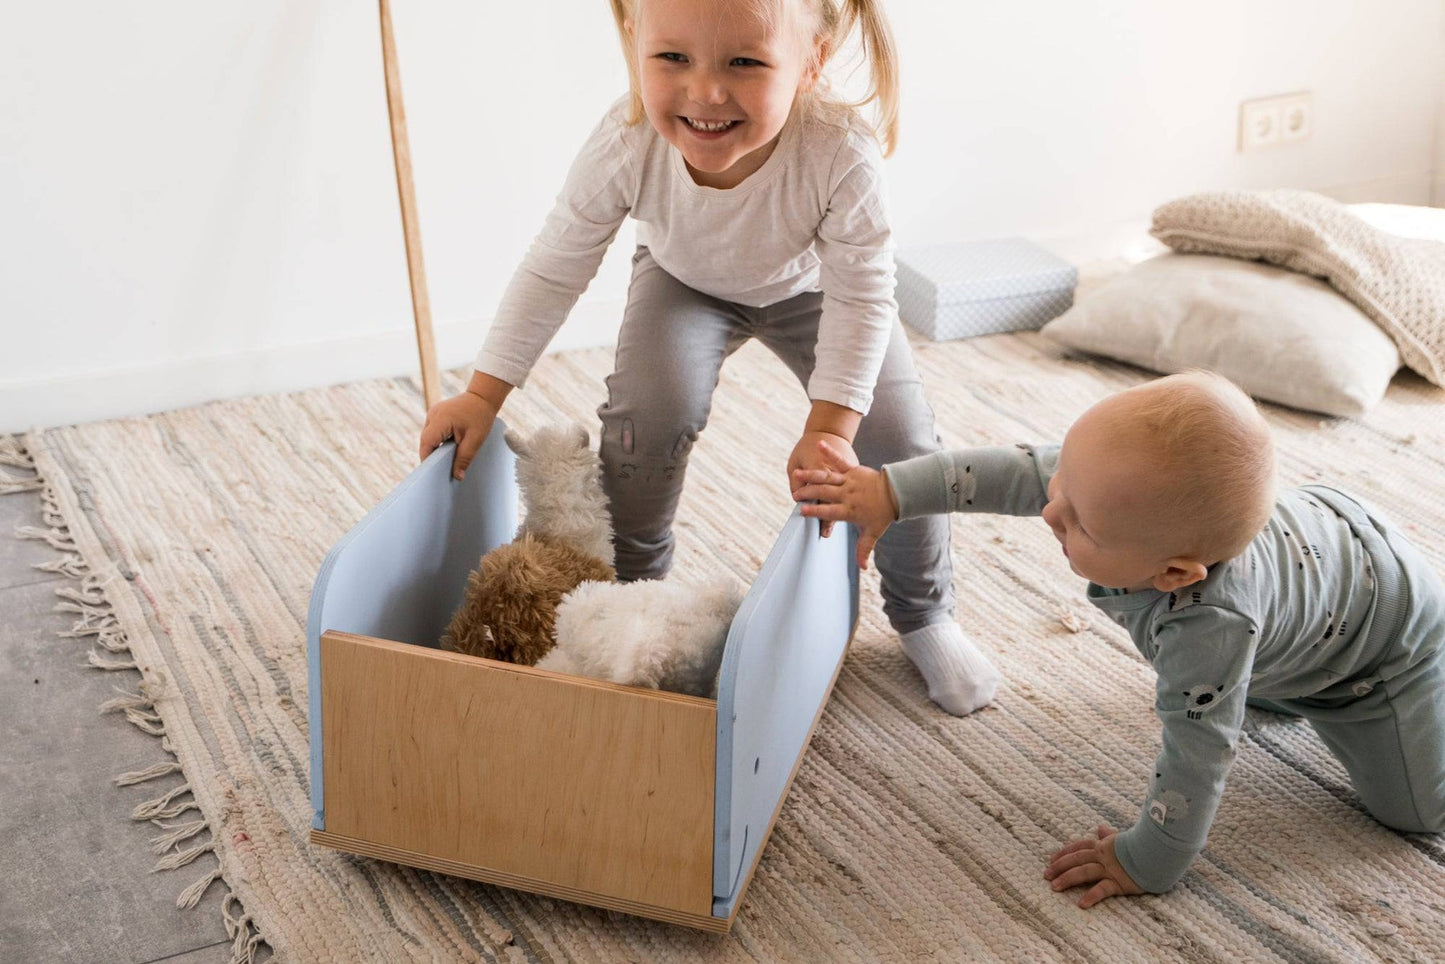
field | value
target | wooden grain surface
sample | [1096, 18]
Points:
[576, 783]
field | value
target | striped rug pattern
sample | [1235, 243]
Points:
[909, 835]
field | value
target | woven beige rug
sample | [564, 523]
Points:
[909, 835]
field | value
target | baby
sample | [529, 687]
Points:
[1304, 602]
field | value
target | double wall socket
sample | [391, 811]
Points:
[1272, 121]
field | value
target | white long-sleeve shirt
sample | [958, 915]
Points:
[813, 217]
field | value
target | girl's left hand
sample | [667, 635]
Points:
[806, 455]
[1092, 861]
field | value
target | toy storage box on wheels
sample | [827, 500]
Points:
[653, 803]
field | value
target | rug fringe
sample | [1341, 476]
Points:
[90, 592]
[175, 834]
[112, 640]
[69, 564]
[162, 807]
[245, 939]
[149, 773]
[135, 710]
[100, 662]
[57, 538]
[87, 600]
[139, 707]
[12, 454]
[192, 895]
[93, 619]
[182, 857]
[10, 484]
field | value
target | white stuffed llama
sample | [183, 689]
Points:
[555, 583]
[509, 611]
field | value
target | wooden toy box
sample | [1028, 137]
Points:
[653, 803]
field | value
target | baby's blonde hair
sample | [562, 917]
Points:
[828, 25]
[1214, 452]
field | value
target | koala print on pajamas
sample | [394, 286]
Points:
[963, 487]
[1197, 699]
[1167, 807]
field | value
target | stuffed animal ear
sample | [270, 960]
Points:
[515, 442]
[583, 439]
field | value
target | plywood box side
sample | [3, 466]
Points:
[580, 784]
[706, 922]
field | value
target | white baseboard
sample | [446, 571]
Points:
[73, 397]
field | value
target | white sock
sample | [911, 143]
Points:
[960, 678]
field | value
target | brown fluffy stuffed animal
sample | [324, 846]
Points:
[565, 539]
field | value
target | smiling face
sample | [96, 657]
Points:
[1105, 511]
[718, 83]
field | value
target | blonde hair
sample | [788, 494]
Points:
[1215, 452]
[832, 23]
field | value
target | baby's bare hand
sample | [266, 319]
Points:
[846, 492]
[808, 455]
[1091, 861]
[802, 477]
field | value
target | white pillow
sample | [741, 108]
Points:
[1279, 335]
[1405, 220]
[1397, 281]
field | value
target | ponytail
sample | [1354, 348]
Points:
[838, 18]
[622, 12]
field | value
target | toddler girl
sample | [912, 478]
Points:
[761, 215]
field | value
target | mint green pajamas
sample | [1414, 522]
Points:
[1329, 614]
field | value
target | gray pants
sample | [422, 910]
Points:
[1387, 725]
[669, 353]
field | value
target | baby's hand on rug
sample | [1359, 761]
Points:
[847, 492]
[1091, 861]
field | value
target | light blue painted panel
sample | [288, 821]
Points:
[785, 643]
[401, 571]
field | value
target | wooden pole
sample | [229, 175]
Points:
[411, 229]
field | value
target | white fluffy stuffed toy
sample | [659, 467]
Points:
[541, 587]
[560, 476]
[509, 610]
[662, 635]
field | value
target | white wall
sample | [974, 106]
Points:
[198, 200]
[1437, 195]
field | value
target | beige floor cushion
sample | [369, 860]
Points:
[1280, 335]
[1397, 281]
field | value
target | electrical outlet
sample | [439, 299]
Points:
[1272, 121]
[1259, 123]
[1296, 117]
